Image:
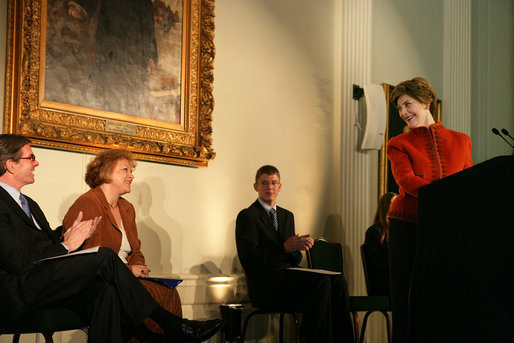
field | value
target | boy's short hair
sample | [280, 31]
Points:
[268, 170]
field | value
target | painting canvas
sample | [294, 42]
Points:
[132, 73]
[118, 56]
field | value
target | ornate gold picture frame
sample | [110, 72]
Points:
[60, 105]
[394, 126]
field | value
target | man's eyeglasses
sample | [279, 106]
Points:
[32, 157]
[273, 183]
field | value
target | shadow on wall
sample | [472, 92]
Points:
[231, 261]
[224, 283]
[157, 242]
[237, 268]
[241, 291]
[206, 268]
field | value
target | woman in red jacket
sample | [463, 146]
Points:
[426, 153]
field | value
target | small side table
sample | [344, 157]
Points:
[231, 314]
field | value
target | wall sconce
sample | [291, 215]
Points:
[220, 289]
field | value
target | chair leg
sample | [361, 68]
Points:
[356, 326]
[364, 322]
[16, 338]
[48, 336]
[245, 325]
[388, 326]
[281, 330]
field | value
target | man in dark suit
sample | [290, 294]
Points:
[97, 286]
[267, 246]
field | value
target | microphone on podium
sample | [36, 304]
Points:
[506, 133]
[496, 132]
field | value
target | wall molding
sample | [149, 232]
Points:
[457, 65]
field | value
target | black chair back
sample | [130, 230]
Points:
[325, 255]
[365, 267]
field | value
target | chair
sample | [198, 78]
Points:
[270, 311]
[371, 303]
[329, 255]
[46, 322]
[325, 255]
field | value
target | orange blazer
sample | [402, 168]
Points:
[107, 234]
[421, 156]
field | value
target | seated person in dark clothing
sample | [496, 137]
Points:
[377, 250]
[267, 246]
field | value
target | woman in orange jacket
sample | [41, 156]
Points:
[427, 152]
[110, 176]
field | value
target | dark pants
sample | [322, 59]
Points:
[402, 251]
[99, 287]
[322, 300]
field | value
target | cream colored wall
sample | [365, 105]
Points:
[493, 76]
[407, 41]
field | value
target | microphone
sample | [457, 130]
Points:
[496, 132]
[506, 133]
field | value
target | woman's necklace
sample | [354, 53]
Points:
[113, 207]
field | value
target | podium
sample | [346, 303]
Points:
[463, 283]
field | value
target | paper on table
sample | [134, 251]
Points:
[317, 271]
[80, 252]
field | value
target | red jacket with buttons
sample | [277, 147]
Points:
[421, 156]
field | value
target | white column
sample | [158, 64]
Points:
[457, 65]
[354, 67]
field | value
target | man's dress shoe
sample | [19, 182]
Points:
[199, 331]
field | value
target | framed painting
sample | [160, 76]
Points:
[88, 75]
[394, 126]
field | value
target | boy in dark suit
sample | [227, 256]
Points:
[267, 246]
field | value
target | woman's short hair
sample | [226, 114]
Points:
[419, 88]
[100, 168]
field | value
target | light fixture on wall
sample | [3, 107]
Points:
[221, 288]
